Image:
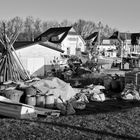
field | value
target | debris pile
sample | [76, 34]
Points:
[53, 96]
[130, 92]
[50, 93]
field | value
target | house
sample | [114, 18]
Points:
[123, 42]
[73, 43]
[107, 49]
[92, 39]
[67, 37]
[38, 58]
[104, 47]
[129, 47]
[43, 54]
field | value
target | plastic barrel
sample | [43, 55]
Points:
[31, 100]
[49, 101]
[40, 101]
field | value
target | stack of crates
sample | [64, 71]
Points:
[133, 77]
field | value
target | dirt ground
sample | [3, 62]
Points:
[110, 120]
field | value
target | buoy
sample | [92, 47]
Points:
[49, 101]
[31, 100]
[40, 101]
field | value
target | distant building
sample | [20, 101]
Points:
[129, 43]
[107, 49]
[73, 43]
[67, 37]
[129, 47]
[104, 47]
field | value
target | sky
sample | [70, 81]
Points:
[123, 15]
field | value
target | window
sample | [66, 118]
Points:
[68, 51]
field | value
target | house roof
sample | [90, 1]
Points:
[51, 46]
[72, 32]
[23, 44]
[17, 45]
[135, 38]
[53, 32]
[124, 36]
[120, 35]
[91, 36]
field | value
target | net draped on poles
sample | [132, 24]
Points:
[11, 67]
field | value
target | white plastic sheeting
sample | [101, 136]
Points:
[55, 86]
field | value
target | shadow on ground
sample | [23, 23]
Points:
[95, 107]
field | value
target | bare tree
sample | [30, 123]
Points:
[37, 27]
[29, 28]
[78, 26]
[12, 26]
[88, 28]
[49, 24]
[65, 23]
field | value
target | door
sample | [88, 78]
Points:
[35, 66]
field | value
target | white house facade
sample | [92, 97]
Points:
[107, 49]
[38, 58]
[73, 43]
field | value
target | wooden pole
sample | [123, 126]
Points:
[14, 68]
[122, 49]
[12, 48]
[99, 33]
[9, 68]
[21, 63]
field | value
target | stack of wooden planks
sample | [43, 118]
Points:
[11, 67]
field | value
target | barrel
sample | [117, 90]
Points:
[115, 85]
[30, 91]
[1, 78]
[31, 100]
[122, 83]
[49, 101]
[107, 82]
[40, 101]
[13, 95]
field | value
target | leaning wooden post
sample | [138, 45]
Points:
[122, 54]
[21, 63]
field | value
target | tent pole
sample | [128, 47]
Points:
[20, 63]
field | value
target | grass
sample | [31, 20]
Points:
[100, 121]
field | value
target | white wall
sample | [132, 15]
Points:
[36, 54]
[106, 48]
